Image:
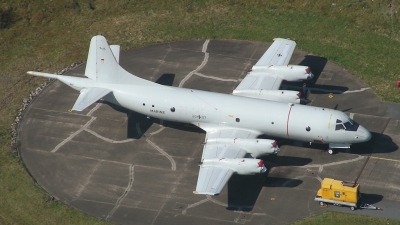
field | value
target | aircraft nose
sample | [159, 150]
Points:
[364, 134]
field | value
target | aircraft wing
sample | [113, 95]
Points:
[278, 54]
[212, 179]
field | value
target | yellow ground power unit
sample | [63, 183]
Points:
[338, 193]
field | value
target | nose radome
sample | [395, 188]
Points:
[364, 133]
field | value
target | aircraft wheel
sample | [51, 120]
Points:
[330, 151]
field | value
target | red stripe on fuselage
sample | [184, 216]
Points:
[287, 122]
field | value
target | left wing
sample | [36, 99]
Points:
[278, 54]
[227, 151]
[272, 68]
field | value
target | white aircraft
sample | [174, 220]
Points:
[233, 122]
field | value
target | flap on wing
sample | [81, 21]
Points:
[212, 179]
[259, 81]
[214, 132]
[88, 96]
[278, 54]
[222, 151]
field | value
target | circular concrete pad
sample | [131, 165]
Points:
[122, 167]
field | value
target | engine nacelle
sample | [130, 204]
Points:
[255, 147]
[289, 72]
[244, 166]
[272, 95]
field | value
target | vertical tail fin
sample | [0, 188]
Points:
[103, 64]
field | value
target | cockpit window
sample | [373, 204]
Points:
[339, 126]
[350, 125]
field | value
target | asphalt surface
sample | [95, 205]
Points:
[122, 167]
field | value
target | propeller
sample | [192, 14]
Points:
[306, 92]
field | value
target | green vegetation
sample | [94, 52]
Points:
[334, 218]
[362, 36]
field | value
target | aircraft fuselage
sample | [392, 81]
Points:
[283, 120]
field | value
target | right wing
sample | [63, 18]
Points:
[213, 178]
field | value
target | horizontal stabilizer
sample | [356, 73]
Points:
[88, 96]
[40, 74]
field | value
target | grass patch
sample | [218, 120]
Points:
[362, 36]
[332, 218]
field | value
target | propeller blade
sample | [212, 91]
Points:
[305, 94]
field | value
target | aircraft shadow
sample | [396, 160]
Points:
[167, 79]
[315, 88]
[379, 143]
[277, 160]
[316, 64]
[243, 191]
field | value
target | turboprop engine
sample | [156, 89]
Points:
[255, 147]
[244, 166]
[289, 72]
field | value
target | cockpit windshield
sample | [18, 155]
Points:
[349, 125]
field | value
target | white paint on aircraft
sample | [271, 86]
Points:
[240, 116]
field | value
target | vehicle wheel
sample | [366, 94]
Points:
[352, 208]
[330, 151]
[321, 203]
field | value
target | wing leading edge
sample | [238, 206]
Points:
[227, 151]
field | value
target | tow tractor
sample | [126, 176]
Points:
[341, 193]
